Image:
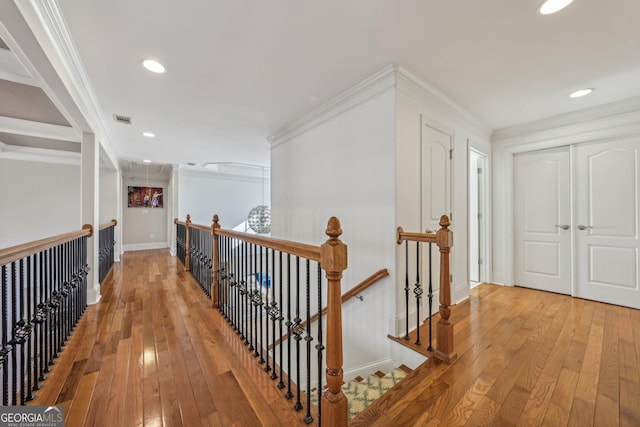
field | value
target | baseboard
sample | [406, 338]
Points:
[364, 371]
[145, 246]
[405, 356]
[398, 323]
[172, 251]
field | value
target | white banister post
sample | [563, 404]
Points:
[90, 206]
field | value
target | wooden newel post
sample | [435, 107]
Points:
[216, 265]
[333, 258]
[444, 345]
[187, 260]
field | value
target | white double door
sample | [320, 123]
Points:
[576, 219]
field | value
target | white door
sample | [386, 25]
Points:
[477, 218]
[436, 198]
[542, 215]
[607, 181]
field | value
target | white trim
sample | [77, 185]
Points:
[47, 23]
[384, 365]
[611, 110]
[409, 83]
[37, 129]
[207, 173]
[508, 142]
[145, 246]
[369, 88]
[42, 155]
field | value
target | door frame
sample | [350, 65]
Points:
[485, 223]
[424, 122]
[608, 122]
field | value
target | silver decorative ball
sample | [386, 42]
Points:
[259, 219]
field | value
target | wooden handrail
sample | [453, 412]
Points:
[17, 252]
[201, 227]
[296, 249]
[402, 235]
[345, 297]
[111, 223]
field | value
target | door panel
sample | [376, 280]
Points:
[607, 206]
[542, 204]
[436, 194]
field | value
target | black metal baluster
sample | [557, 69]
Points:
[280, 319]
[28, 330]
[274, 312]
[289, 393]
[34, 320]
[252, 306]
[13, 341]
[254, 303]
[19, 331]
[47, 302]
[243, 292]
[406, 288]
[260, 305]
[417, 291]
[308, 338]
[320, 346]
[42, 316]
[430, 348]
[297, 330]
[264, 275]
[5, 351]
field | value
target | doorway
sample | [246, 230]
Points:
[477, 216]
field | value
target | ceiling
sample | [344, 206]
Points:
[238, 71]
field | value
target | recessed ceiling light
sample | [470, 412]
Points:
[146, 161]
[553, 6]
[153, 66]
[149, 134]
[581, 92]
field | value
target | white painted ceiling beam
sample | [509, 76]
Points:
[37, 129]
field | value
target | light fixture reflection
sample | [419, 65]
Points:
[553, 6]
[153, 66]
[581, 92]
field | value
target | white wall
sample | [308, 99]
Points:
[417, 104]
[341, 164]
[606, 122]
[37, 200]
[204, 194]
[144, 228]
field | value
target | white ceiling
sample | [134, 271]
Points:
[237, 71]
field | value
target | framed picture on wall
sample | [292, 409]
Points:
[145, 197]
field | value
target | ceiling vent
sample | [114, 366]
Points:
[122, 119]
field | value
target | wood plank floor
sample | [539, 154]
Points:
[525, 358]
[153, 352]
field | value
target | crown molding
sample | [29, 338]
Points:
[568, 123]
[369, 88]
[408, 80]
[42, 155]
[47, 23]
[210, 174]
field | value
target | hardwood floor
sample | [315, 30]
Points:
[153, 352]
[525, 358]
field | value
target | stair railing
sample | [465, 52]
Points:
[443, 238]
[106, 245]
[264, 287]
[354, 292]
[44, 293]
